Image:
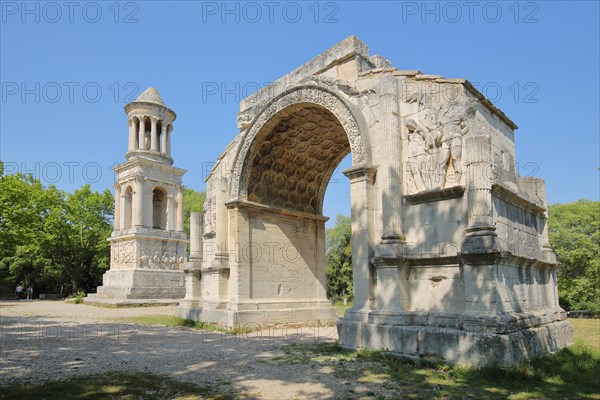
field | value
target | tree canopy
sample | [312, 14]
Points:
[57, 241]
[50, 239]
[338, 250]
[574, 233]
[192, 202]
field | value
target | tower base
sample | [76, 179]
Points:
[139, 287]
[258, 313]
[477, 347]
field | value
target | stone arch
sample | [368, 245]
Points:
[280, 172]
[285, 106]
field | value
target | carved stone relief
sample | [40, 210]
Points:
[210, 213]
[435, 141]
[147, 254]
[124, 255]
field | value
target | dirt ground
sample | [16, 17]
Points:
[52, 339]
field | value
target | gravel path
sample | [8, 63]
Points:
[49, 340]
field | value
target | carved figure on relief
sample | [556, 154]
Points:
[418, 149]
[435, 141]
[243, 120]
[211, 216]
[144, 261]
[155, 260]
[453, 116]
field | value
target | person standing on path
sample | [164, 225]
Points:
[18, 291]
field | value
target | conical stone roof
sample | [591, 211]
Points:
[151, 95]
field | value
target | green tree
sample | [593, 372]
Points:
[574, 233]
[24, 205]
[192, 202]
[79, 233]
[338, 250]
[52, 240]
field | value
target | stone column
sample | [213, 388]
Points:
[132, 134]
[123, 214]
[149, 206]
[153, 134]
[179, 211]
[548, 254]
[170, 213]
[480, 235]
[168, 146]
[117, 217]
[193, 284]
[196, 235]
[480, 248]
[390, 170]
[221, 217]
[138, 204]
[218, 278]
[163, 138]
[361, 184]
[141, 133]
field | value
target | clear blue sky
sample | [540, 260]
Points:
[68, 68]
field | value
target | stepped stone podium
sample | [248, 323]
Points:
[148, 243]
[450, 249]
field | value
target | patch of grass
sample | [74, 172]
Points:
[588, 330]
[113, 385]
[78, 298]
[572, 373]
[341, 307]
[172, 321]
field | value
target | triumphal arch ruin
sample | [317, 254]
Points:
[450, 248]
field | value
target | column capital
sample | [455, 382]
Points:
[359, 172]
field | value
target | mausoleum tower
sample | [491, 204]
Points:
[148, 243]
[150, 126]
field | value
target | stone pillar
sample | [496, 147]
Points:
[548, 254]
[163, 138]
[480, 248]
[141, 133]
[480, 235]
[153, 134]
[138, 204]
[132, 134]
[216, 278]
[361, 183]
[179, 211]
[196, 235]
[117, 217]
[149, 206]
[170, 213]
[390, 170]
[168, 146]
[193, 292]
[123, 215]
[221, 217]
